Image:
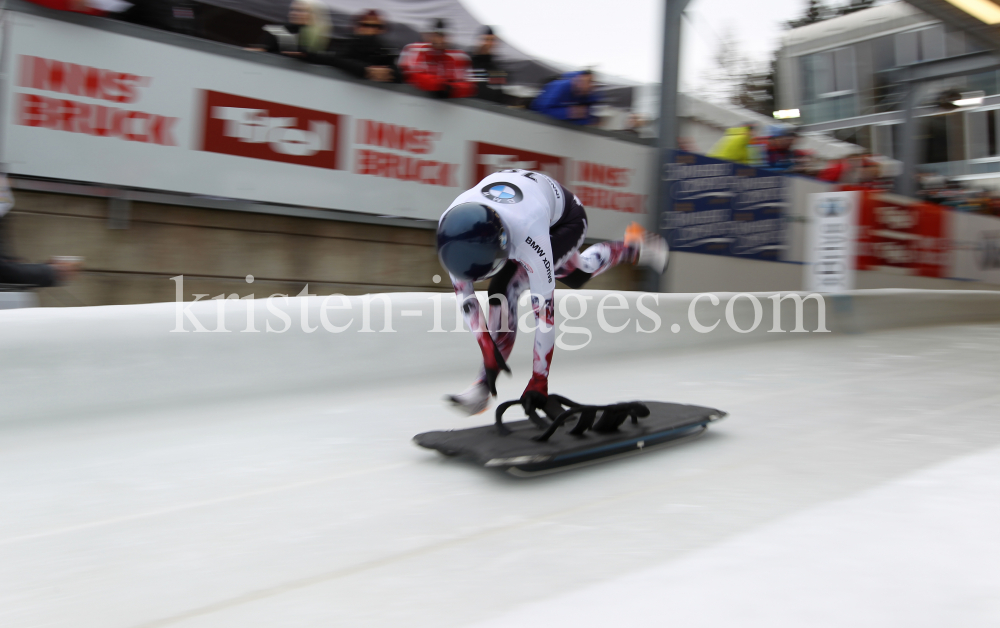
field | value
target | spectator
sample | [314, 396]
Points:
[366, 54]
[569, 98]
[780, 151]
[635, 125]
[178, 16]
[852, 169]
[13, 271]
[306, 34]
[734, 145]
[432, 67]
[489, 76]
[76, 6]
[686, 144]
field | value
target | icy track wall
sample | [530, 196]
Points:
[71, 362]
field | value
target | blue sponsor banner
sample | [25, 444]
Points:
[723, 208]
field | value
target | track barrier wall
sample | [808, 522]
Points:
[70, 362]
[198, 118]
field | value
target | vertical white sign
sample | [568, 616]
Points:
[831, 241]
[975, 247]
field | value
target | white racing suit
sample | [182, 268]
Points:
[545, 225]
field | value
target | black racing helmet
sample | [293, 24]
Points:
[472, 241]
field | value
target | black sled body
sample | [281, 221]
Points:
[573, 437]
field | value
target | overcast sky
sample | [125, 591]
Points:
[623, 37]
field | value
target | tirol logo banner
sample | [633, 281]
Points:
[258, 129]
[903, 235]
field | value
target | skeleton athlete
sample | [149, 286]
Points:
[524, 230]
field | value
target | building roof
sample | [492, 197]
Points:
[856, 26]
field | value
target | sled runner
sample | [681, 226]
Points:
[570, 434]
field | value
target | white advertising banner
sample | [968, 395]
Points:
[89, 105]
[831, 238]
[975, 247]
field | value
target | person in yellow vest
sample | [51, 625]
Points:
[735, 145]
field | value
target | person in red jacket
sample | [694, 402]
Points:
[76, 6]
[432, 67]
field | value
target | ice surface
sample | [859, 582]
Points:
[852, 479]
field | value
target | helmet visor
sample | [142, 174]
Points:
[472, 242]
[499, 263]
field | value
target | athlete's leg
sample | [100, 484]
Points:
[505, 288]
[572, 267]
[580, 268]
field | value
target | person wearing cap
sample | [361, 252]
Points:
[486, 73]
[780, 154]
[432, 67]
[366, 55]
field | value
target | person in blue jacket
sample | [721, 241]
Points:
[569, 98]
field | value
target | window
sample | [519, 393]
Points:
[991, 134]
[829, 86]
[925, 44]
[943, 138]
[984, 81]
[883, 54]
[982, 133]
[886, 138]
[858, 135]
[935, 140]
[932, 43]
[831, 72]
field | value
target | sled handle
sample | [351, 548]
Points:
[552, 406]
[502, 429]
[611, 417]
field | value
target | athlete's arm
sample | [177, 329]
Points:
[537, 254]
[493, 361]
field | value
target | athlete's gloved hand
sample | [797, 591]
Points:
[537, 384]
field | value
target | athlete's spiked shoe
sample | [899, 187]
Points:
[474, 400]
[652, 250]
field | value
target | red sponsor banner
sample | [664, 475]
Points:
[400, 152]
[51, 75]
[246, 127]
[600, 186]
[74, 116]
[489, 158]
[900, 233]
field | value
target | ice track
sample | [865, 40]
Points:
[855, 483]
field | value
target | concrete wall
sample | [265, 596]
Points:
[216, 249]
